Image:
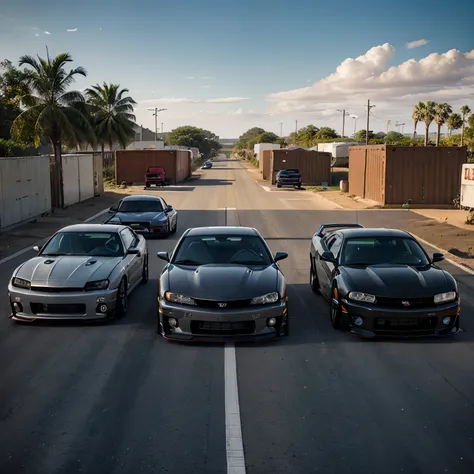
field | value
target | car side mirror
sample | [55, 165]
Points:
[164, 256]
[280, 256]
[133, 251]
[169, 208]
[36, 249]
[328, 257]
[437, 257]
[113, 209]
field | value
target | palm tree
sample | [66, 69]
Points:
[50, 110]
[465, 111]
[428, 114]
[454, 122]
[112, 114]
[417, 116]
[442, 113]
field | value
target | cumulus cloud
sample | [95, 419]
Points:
[369, 76]
[47, 33]
[71, 30]
[416, 44]
[184, 100]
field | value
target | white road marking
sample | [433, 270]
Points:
[233, 429]
[41, 242]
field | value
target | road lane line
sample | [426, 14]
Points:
[233, 429]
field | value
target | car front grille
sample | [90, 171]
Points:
[405, 324]
[406, 303]
[48, 289]
[235, 304]
[43, 308]
[223, 328]
[138, 225]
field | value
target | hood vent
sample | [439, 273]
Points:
[49, 262]
[91, 262]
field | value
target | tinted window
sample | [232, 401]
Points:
[380, 250]
[222, 249]
[85, 243]
[141, 206]
[128, 238]
[336, 246]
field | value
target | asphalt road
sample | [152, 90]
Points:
[116, 399]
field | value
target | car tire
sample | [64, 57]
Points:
[147, 184]
[121, 306]
[145, 272]
[335, 312]
[278, 185]
[313, 279]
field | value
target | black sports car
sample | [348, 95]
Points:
[381, 282]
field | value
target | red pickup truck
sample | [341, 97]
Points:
[155, 175]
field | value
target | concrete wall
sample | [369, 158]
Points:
[25, 189]
[78, 178]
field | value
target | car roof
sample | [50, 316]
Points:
[141, 197]
[373, 232]
[221, 230]
[93, 228]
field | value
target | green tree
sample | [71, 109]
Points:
[265, 137]
[188, 136]
[417, 116]
[428, 110]
[50, 109]
[393, 137]
[454, 122]
[442, 113]
[14, 83]
[325, 133]
[112, 116]
[250, 134]
[465, 111]
[360, 136]
[307, 136]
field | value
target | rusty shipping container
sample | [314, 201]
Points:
[314, 166]
[394, 175]
[131, 165]
[265, 163]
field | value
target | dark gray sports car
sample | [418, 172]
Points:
[145, 214]
[222, 283]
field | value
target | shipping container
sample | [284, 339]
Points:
[25, 189]
[131, 165]
[78, 178]
[467, 186]
[392, 175]
[264, 164]
[314, 166]
[260, 147]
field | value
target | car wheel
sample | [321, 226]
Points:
[122, 299]
[145, 270]
[335, 312]
[278, 185]
[147, 184]
[313, 279]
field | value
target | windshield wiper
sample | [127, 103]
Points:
[55, 254]
[240, 262]
[186, 261]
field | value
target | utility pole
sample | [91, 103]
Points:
[388, 123]
[161, 127]
[344, 114]
[155, 114]
[368, 121]
[296, 128]
[281, 129]
[400, 125]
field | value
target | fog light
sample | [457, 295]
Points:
[103, 308]
[17, 307]
[357, 320]
[172, 322]
[101, 299]
[447, 320]
[271, 322]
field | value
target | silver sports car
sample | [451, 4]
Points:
[84, 271]
[222, 283]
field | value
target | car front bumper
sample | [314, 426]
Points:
[394, 322]
[150, 229]
[216, 325]
[29, 305]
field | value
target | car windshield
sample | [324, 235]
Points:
[223, 249]
[383, 250]
[94, 244]
[141, 206]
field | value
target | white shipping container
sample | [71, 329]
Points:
[259, 147]
[78, 178]
[467, 185]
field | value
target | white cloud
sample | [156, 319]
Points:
[36, 34]
[184, 100]
[47, 33]
[416, 44]
[206, 86]
[191, 77]
[71, 30]
[34, 28]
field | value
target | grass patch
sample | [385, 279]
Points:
[319, 189]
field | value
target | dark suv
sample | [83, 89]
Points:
[289, 177]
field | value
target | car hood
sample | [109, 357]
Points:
[396, 281]
[222, 282]
[139, 216]
[67, 271]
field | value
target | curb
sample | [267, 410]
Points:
[41, 242]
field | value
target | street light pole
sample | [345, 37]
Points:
[155, 114]
[344, 115]
[281, 129]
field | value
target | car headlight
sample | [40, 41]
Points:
[362, 297]
[161, 218]
[179, 298]
[445, 297]
[21, 283]
[97, 285]
[266, 299]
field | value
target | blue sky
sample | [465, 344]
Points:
[179, 54]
